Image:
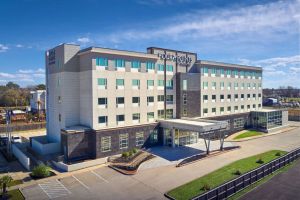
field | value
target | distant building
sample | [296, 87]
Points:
[38, 100]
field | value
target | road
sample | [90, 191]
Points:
[284, 186]
[105, 183]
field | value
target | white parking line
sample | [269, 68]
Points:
[100, 176]
[84, 185]
[63, 186]
[54, 189]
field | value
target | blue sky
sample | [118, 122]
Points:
[259, 32]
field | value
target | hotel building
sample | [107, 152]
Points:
[101, 102]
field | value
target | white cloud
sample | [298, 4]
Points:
[164, 2]
[84, 40]
[19, 45]
[262, 20]
[24, 75]
[3, 48]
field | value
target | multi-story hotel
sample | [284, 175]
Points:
[101, 102]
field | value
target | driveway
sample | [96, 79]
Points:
[281, 187]
[152, 183]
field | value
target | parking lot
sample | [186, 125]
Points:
[152, 182]
[102, 183]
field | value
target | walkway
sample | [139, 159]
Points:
[283, 186]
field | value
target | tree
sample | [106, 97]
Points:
[40, 87]
[4, 181]
[12, 85]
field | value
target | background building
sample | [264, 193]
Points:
[38, 100]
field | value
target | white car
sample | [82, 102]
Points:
[16, 139]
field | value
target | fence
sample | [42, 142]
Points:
[23, 127]
[228, 189]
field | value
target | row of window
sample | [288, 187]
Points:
[229, 85]
[136, 100]
[236, 108]
[229, 96]
[136, 83]
[229, 72]
[124, 140]
[135, 64]
[103, 120]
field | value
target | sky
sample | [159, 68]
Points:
[263, 33]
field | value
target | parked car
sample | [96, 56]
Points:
[16, 139]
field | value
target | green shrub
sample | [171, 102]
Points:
[205, 187]
[41, 171]
[125, 154]
[260, 161]
[238, 173]
[134, 150]
[278, 154]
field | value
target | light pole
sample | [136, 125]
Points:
[8, 131]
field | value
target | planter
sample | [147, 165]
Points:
[38, 177]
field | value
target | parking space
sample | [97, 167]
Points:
[102, 183]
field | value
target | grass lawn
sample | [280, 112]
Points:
[248, 134]
[15, 195]
[260, 182]
[222, 175]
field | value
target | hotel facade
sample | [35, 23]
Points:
[102, 102]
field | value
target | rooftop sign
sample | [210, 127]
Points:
[182, 60]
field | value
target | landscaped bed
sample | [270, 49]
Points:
[248, 134]
[222, 175]
[15, 195]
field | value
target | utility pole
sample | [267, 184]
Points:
[8, 132]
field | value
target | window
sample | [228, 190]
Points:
[238, 123]
[150, 99]
[150, 65]
[236, 96]
[119, 63]
[184, 99]
[222, 96]
[59, 98]
[254, 96]
[259, 105]
[150, 115]
[136, 100]
[184, 112]
[248, 96]
[105, 144]
[161, 114]
[120, 100]
[236, 85]
[213, 97]
[169, 84]
[169, 68]
[259, 95]
[136, 64]
[229, 96]
[120, 82]
[160, 83]
[242, 96]
[229, 85]
[101, 62]
[236, 108]
[243, 85]
[135, 82]
[229, 108]
[136, 116]
[169, 113]
[205, 70]
[205, 85]
[213, 71]
[59, 117]
[169, 99]
[213, 110]
[248, 85]
[160, 67]
[160, 98]
[254, 85]
[253, 106]
[205, 110]
[102, 101]
[102, 82]
[120, 118]
[139, 138]
[221, 109]
[102, 119]
[150, 83]
[214, 85]
[248, 106]
[228, 72]
[242, 73]
[123, 141]
[235, 72]
[221, 84]
[184, 84]
[242, 107]
[153, 137]
[222, 71]
[205, 97]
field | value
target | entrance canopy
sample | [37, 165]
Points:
[198, 125]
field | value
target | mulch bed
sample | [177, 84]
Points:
[198, 157]
[37, 178]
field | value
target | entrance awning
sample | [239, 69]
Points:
[198, 125]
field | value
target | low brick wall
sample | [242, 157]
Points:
[23, 127]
